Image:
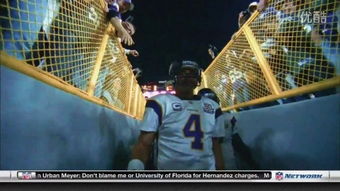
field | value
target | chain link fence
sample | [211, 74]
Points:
[290, 48]
[70, 42]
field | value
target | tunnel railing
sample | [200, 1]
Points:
[70, 45]
[292, 48]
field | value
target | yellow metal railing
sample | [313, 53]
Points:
[289, 49]
[70, 45]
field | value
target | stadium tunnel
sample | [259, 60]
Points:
[69, 98]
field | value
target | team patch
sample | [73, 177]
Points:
[177, 107]
[208, 108]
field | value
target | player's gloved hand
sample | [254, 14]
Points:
[135, 164]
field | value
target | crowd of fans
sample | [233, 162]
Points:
[300, 41]
[63, 36]
[297, 45]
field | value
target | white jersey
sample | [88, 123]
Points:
[185, 131]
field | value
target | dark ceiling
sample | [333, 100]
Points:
[169, 30]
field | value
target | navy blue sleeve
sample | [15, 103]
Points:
[156, 107]
[218, 113]
[113, 11]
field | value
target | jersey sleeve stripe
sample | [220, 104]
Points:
[157, 108]
[218, 113]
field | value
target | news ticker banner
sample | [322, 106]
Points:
[170, 176]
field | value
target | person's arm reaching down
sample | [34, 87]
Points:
[121, 32]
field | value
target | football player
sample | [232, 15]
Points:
[227, 147]
[186, 127]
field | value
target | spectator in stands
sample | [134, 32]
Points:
[288, 42]
[64, 55]
[106, 68]
[303, 59]
[326, 35]
[221, 80]
[115, 9]
[293, 65]
[252, 7]
[281, 11]
[44, 35]
[243, 17]
[239, 85]
[111, 93]
[271, 49]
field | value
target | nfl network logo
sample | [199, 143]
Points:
[279, 176]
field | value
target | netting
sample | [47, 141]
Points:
[237, 76]
[114, 79]
[290, 45]
[300, 40]
[63, 38]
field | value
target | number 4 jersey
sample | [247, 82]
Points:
[185, 131]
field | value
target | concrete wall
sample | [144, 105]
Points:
[46, 128]
[303, 135]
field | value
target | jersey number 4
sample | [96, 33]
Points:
[192, 129]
